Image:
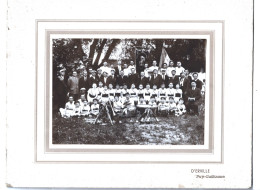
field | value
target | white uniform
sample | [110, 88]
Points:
[69, 109]
[169, 71]
[177, 94]
[179, 70]
[118, 106]
[105, 96]
[118, 92]
[163, 106]
[77, 111]
[133, 93]
[130, 68]
[85, 110]
[170, 93]
[92, 94]
[155, 94]
[126, 71]
[95, 109]
[146, 72]
[105, 69]
[181, 109]
[162, 93]
[152, 68]
[140, 93]
[111, 93]
[172, 107]
[147, 94]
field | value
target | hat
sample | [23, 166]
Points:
[83, 89]
[99, 69]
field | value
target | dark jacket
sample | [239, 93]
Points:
[165, 80]
[112, 80]
[174, 80]
[143, 81]
[122, 80]
[157, 80]
[193, 94]
[84, 83]
[132, 79]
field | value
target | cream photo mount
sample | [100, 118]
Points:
[210, 152]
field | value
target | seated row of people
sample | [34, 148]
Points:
[122, 106]
[105, 93]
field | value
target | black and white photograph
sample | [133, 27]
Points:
[128, 91]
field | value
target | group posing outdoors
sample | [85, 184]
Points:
[128, 90]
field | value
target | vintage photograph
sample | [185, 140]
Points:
[128, 91]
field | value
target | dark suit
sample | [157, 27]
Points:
[165, 80]
[132, 79]
[122, 80]
[99, 78]
[143, 81]
[150, 80]
[174, 80]
[92, 80]
[112, 80]
[84, 83]
[117, 71]
[60, 91]
[157, 80]
[198, 84]
[105, 83]
[185, 84]
[192, 105]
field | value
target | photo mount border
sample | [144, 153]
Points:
[46, 144]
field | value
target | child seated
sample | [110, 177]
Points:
[77, 110]
[133, 93]
[177, 93]
[111, 92]
[69, 108]
[162, 92]
[105, 95]
[140, 91]
[147, 93]
[155, 93]
[82, 99]
[85, 109]
[95, 108]
[172, 106]
[181, 109]
[163, 107]
[129, 104]
[170, 91]
[152, 102]
[141, 105]
[117, 105]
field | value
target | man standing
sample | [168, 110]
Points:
[143, 80]
[133, 78]
[83, 81]
[146, 70]
[118, 68]
[99, 74]
[156, 79]
[122, 79]
[131, 66]
[192, 98]
[105, 68]
[165, 78]
[198, 82]
[73, 85]
[60, 90]
[154, 66]
[104, 79]
[174, 79]
[112, 78]
[184, 82]
[170, 68]
[179, 69]
[93, 79]
[126, 70]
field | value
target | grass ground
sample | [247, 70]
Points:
[169, 130]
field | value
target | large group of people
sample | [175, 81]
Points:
[168, 89]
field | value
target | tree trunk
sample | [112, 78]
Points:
[110, 49]
[99, 53]
[92, 50]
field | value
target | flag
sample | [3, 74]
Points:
[164, 58]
